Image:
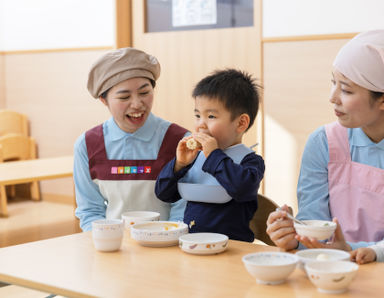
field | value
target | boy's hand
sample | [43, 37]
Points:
[208, 142]
[184, 156]
[363, 255]
[337, 242]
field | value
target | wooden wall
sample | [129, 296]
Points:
[188, 56]
[297, 81]
[50, 88]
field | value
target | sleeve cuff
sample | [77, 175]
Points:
[379, 250]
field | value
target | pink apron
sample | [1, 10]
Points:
[130, 184]
[356, 191]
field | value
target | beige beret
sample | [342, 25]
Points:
[120, 65]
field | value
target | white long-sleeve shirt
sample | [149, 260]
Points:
[379, 250]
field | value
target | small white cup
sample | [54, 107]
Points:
[107, 234]
[134, 217]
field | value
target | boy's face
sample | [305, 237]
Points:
[130, 103]
[212, 118]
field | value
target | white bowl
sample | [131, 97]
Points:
[107, 234]
[331, 277]
[321, 255]
[319, 229]
[270, 267]
[203, 243]
[203, 193]
[158, 233]
[133, 217]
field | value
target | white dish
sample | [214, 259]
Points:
[321, 255]
[331, 277]
[206, 193]
[203, 243]
[270, 268]
[133, 217]
[319, 229]
[158, 233]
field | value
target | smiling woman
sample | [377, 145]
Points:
[130, 103]
[117, 162]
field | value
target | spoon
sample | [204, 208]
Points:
[290, 216]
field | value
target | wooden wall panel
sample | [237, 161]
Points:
[50, 88]
[297, 81]
[188, 56]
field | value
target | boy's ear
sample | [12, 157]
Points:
[243, 122]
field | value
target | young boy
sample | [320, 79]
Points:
[226, 104]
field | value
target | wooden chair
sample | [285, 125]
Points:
[13, 122]
[15, 147]
[258, 224]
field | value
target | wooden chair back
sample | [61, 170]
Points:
[13, 122]
[17, 147]
[258, 224]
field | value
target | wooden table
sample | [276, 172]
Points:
[17, 172]
[70, 266]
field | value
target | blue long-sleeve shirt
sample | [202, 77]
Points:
[312, 190]
[241, 181]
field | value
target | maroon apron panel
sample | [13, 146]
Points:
[103, 169]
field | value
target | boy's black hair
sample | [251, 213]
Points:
[236, 89]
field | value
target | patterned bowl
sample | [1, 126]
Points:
[203, 243]
[133, 217]
[158, 233]
[319, 229]
[270, 267]
[321, 255]
[331, 277]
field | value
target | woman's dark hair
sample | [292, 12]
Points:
[374, 96]
[236, 89]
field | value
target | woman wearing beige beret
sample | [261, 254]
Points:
[117, 162]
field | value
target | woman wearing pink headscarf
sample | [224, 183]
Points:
[342, 170]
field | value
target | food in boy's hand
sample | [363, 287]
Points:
[192, 144]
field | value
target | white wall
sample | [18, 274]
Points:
[1, 24]
[52, 24]
[308, 17]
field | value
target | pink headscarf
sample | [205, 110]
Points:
[362, 60]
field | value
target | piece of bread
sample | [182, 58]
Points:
[192, 144]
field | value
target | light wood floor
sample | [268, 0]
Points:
[31, 221]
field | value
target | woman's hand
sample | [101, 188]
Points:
[363, 255]
[337, 241]
[208, 142]
[280, 229]
[184, 155]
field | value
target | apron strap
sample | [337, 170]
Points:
[338, 144]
